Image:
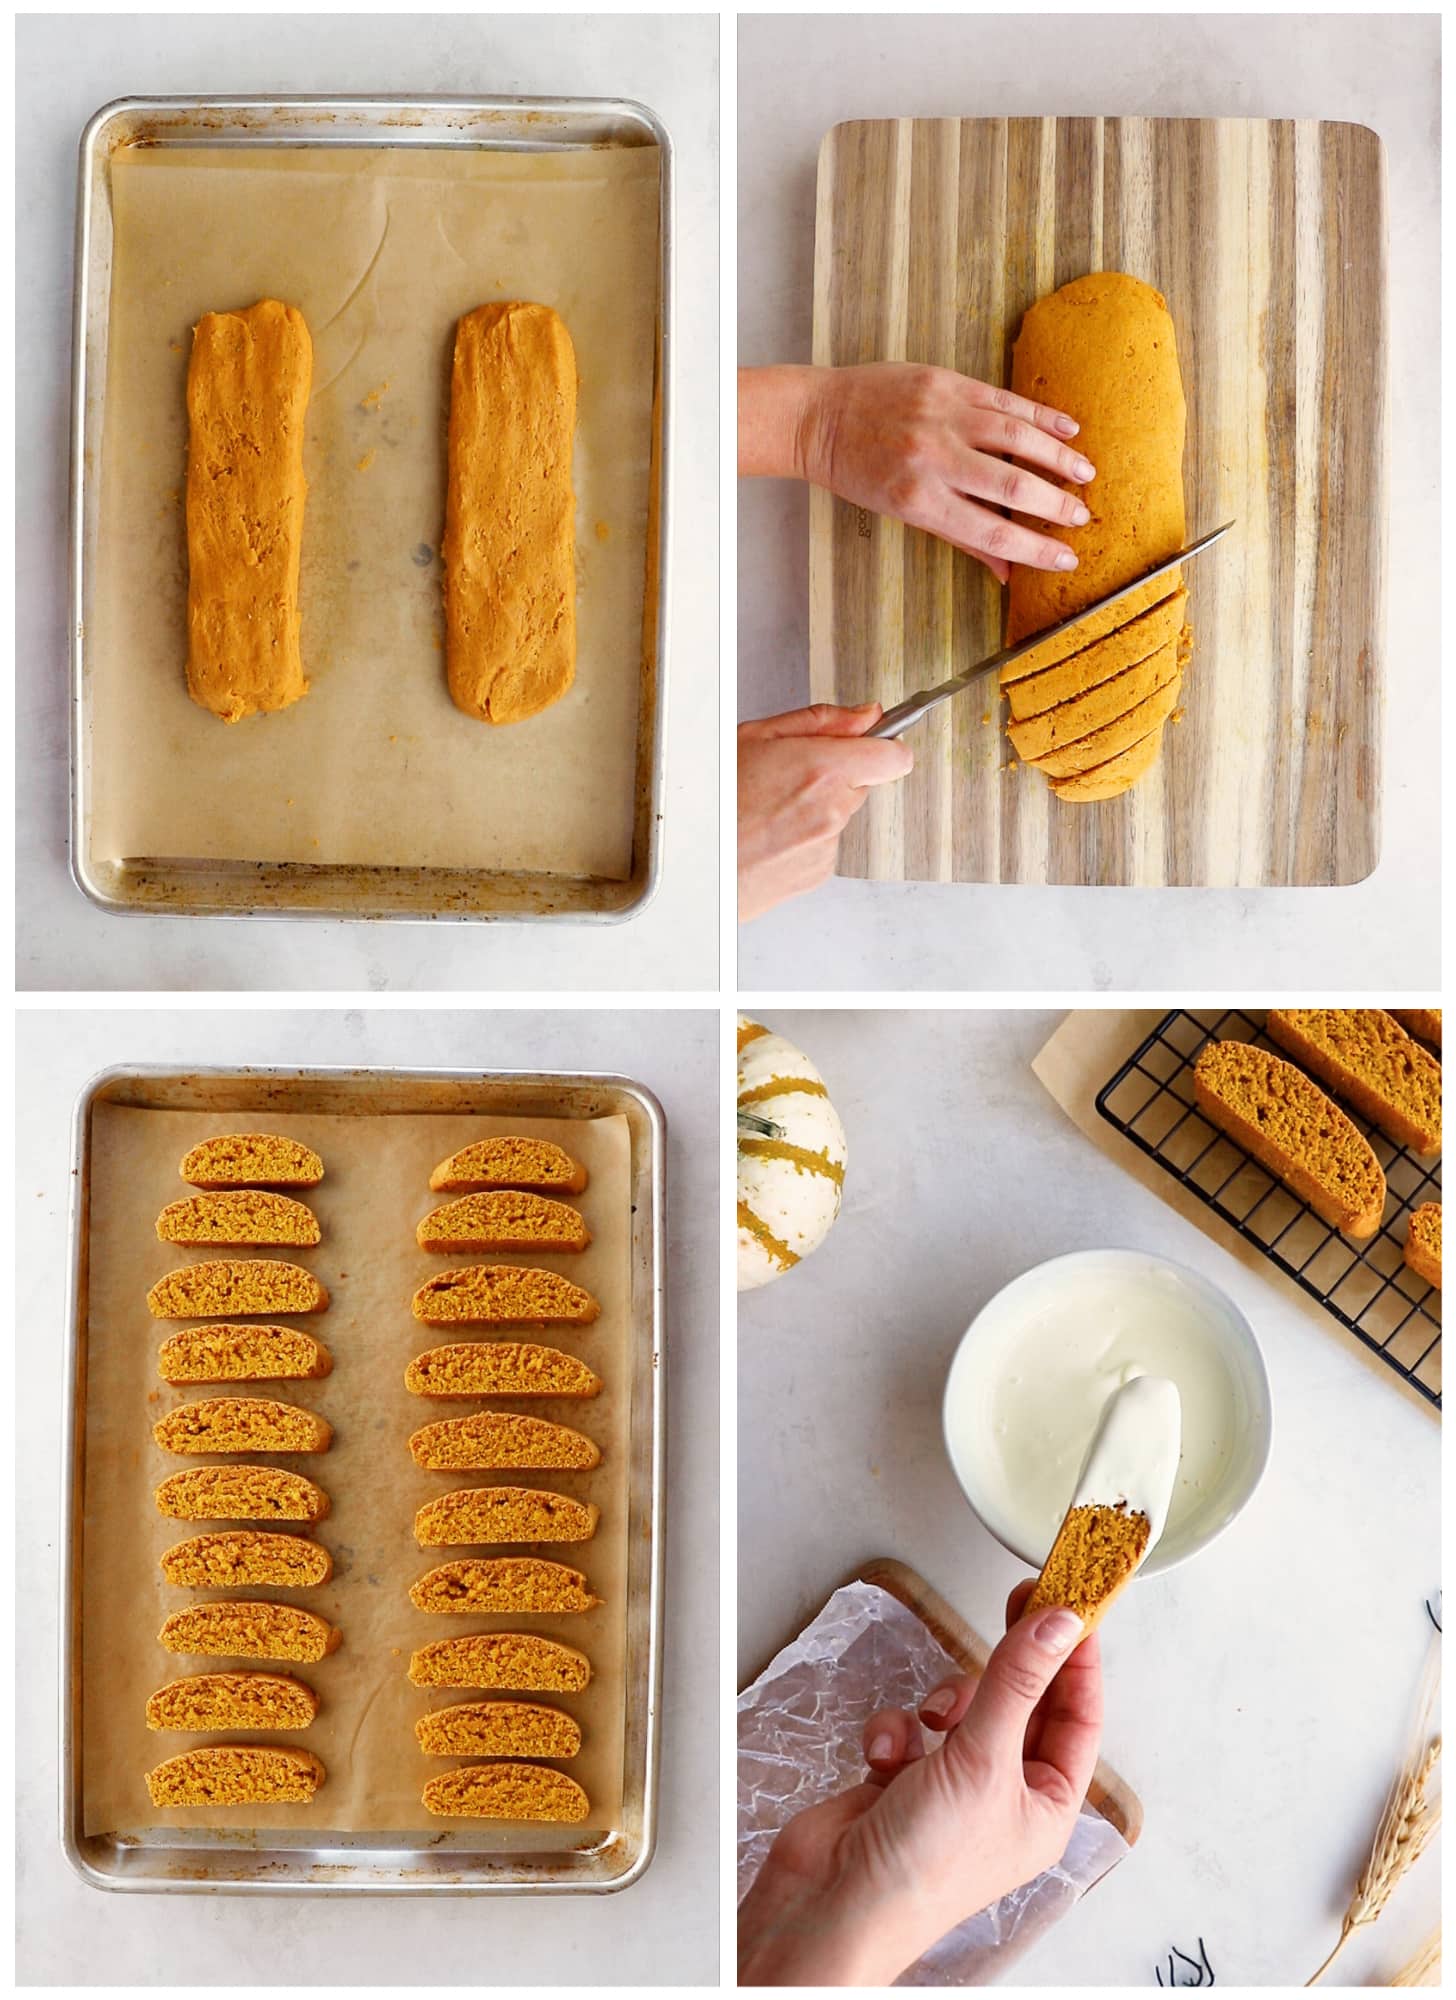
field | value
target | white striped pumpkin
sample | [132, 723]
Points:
[788, 1187]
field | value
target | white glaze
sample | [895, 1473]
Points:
[1132, 1461]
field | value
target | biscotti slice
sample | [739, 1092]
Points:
[506, 1219]
[518, 1662]
[252, 1159]
[503, 1583]
[238, 1215]
[247, 394]
[1071, 721]
[480, 1516]
[236, 1630]
[1422, 1021]
[223, 1353]
[234, 1701]
[498, 1729]
[1366, 1057]
[237, 1774]
[1287, 1123]
[510, 515]
[1423, 1242]
[241, 1423]
[499, 1368]
[240, 1493]
[1119, 774]
[507, 1791]
[493, 1440]
[537, 1164]
[236, 1288]
[502, 1295]
[1107, 742]
[245, 1558]
[1103, 349]
[1102, 661]
[1094, 1557]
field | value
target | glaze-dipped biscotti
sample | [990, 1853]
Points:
[236, 1774]
[482, 1516]
[247, 393]
[536, 1164]
[510, 514]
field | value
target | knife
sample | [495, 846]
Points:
[895, 721]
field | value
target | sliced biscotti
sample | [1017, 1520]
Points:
[481, 1516]
[1423, 1242]
[236, 1630]
[239, 1424]
[236, 1774]
[246, 1558]
[507, 1791]
[518, 1662]
[224, 1353]
[1102, 661]
[1072, 720]
[503, 1583]
[1068, 759]
[233, 1701]
[238, 1215]
[498, 1729]
[240, 1493]
[502, 1295]
[1424, 1022]
[536, 1164]
[1287, 1123]
[236, 1288]
[1366, 1057]
[1119, 774]
[506, 1219]
[499, 1368]
[252, 1159]
[495, 1440]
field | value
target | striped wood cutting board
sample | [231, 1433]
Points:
[933, 236]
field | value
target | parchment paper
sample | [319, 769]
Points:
[375, 1189]
[382, 251]
[799, 1731]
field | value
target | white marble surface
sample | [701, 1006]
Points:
[796, 78]
[66, 69]
[661, 1931]
[1258, 1696]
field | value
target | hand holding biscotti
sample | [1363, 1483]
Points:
[927, 445]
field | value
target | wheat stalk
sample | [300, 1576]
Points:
[1406, 1825]
[1425, 1968]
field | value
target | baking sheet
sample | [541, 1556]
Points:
[376, 1188]
[382, 250]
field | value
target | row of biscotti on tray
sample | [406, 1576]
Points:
[1280, 1115]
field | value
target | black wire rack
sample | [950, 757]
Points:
[1368, 1287]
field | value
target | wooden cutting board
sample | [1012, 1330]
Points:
[933, 236]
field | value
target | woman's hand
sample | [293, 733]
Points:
[801, 779]
[855, 1889]
[925, 445]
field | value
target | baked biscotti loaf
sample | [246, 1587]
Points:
[224, 1353]
[238, 1215]
[241, 1424]
[1423, 1242]
[1424, 1022]
[502, 1295]
[240, 1493]
[499, 1368]
[518, 1662]
[252, 1159]
[1069, 759]
[537, 1164]
[503, 1583]
[510, 514]
[507, 1791]
[233, 1701]
[1071, 721]
[245, 1559]
[247, 394]
[1117, 775]
[236, 1630]
[498, 1729]
[236, 1774]
[1286, 1122]
[1099, 662]
[236, 1288]
[506, 1219]
[495, 1440]
[1367, 1058]
[481, 1516]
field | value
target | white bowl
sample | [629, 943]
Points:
[994, 1331]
